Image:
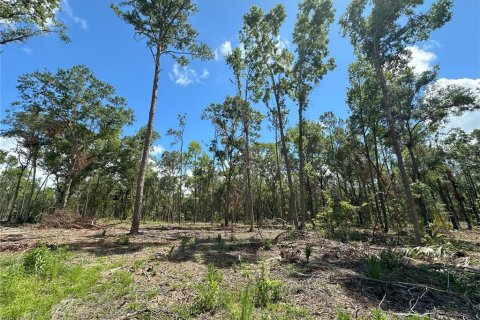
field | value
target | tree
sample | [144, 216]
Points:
[164, 24]
[250, 119]
[177, 135]
[383, 36]
[21, 20]
[271, 64]
[311, 37]
[78, 115]
[226, 119]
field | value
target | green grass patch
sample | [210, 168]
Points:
[33, 283]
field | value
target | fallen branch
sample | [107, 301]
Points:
[133, 314]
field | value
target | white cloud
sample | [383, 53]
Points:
[8, 144]
[69, 11]
[157, 150]
[205, 74]
[27, 50]
[223, 50]
[185, 76]
[421, 59]
[469, 120]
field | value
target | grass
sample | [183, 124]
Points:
[30, 285]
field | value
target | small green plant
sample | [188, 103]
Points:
[390, 259]
[246, 304]
[378, 314]
[220, 243]
[268, 244]
[342, 315]
[308, 251]
[41, 262]
[123, 240]
[209, 291]
[187, 242]
[374, 267]
[267, 290]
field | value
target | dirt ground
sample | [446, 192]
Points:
[164, 258]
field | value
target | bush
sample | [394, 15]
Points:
[209, 291]
[374, 267]
[267, 290]
[246, 304]
[308, 251]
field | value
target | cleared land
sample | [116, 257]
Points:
[101, 273]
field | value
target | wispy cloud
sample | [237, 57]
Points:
[223, 50]
[185, 76]
[157, 150]
[421, 59]
[69, 12]
[27, 49]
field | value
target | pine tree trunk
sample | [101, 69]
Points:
[398, 152]
[146, 148]
[291, 189]
[301, 174]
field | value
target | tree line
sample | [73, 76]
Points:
[391, 160]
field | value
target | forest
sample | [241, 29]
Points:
[371, 216]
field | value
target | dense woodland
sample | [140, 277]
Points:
[390, 166]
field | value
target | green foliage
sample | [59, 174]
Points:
[42, 262]
[308, 251]
[220, 243]
[378, 314]
[164, 24]
[209, 292]
[268, 244]
[377, 267]
[267, 290]
[246, 304]
[374, 267]
[39, 280]
[123, 240]
[189, 242]
[21, 20]
[342, 315]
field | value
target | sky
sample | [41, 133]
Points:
[106, 44]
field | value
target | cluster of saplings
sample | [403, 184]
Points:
[389, 165]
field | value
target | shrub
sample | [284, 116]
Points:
[308, 251]
[246, 304]
[374, 267]
[123, 240]
[267, 290]
[209, 291]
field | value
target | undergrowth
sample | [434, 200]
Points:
[30, 285]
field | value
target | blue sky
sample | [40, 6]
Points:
[106, 45]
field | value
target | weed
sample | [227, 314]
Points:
[342, 315]
[220, 243]
[390, 259]
[31, 286]
[308, 251]
[374, 267]
[209, 291]
[267, 290]
[123, 240]
[268, 244]
[187, 242]
[378, 314]
[246, 304]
